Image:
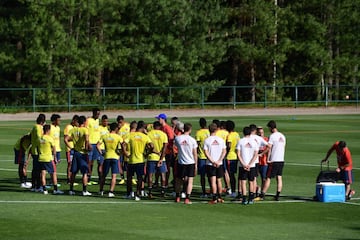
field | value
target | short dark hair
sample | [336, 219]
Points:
[82, 120]
[41, 118]
[202, 122]
[120, 117]
[271, 124]
[342, 144]
[230, 125]
[156, 125]
[252, 127]
[140, 125]
[187, 127]
[213, 127]
[113, 126]
[46, 128]
[103, 117]
[217, 122]
[246, 131]
[54, 117]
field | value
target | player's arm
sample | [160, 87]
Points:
[329, 152]
[67, 140]
[241, 160]
[87, 144]
[222, 156]
[253, 159]
[208, 156]
[269, 154]
[98, 146]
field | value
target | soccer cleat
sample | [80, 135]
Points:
[177, 199]
[183, 195]
[143, 193]
[134, 182]
[111, 195]
[45, 192]
[93, 183]
[203, 196]
[250, 202]
[75, 184]
[86, 193]
[24, 185]
[150, 196]
[128, 196]
[277, 198]
[71, 193]
[101, 193]
[232, 195]
[122, 182]
[137, 198]
[187, 201]
[258, 199]
[220, 200]
[58, 192]
[212, 202]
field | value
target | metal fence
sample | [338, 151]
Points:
[70, 99]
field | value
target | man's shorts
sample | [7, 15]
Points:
[232, 166]
[138, 168]
[275, 169]
[79, 163]
[185, 170]
[202, 167]
[217, 172]
[48, 166]
[347, 176]
[153, 168]
[113, 164]
[170, 159]
[94, 153]
[19, 156]
[247, 175]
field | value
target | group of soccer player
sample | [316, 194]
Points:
[149, 153]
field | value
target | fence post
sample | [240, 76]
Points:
[103, 98]
[137, 97]
[34, 99]
[69, 99]
[234, 97]
[265, 97]
[296, 96]
[170, 97]
[202, 97]
[326, 95]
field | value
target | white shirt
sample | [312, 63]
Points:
[215, 146]
[185, 144]
[278, 142]
[260, 142]
[248, 147]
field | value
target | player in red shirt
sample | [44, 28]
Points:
[344, 161]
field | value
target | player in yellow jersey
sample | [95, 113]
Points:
[124, 130]
[55, 133]
[80, 137]
[47, 154]
[36, 133]
[231, 157]
[112, 142]
[69, 150]
[23, 145]
[200, 137]
[156, 160]
[93, 124]
[103, 129]
[139, 142]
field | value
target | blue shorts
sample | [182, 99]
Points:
[94, 153]
[263, 170]
[58, 156]
[112, 164]
[232, 166]
[138, 168]
[19, 156]
[79, 162]
[152, 167]
[48, 166]
[101, 158]
[347, 176]
[202, 167]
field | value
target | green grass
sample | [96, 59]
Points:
[26, 215]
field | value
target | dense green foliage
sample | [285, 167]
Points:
[111, 43]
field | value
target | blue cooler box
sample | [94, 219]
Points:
[330, 192]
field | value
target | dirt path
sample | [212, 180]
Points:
[130, 114]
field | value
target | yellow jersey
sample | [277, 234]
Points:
[55, 133]
[103, 131]
[23, 144]
[158, 138]
[222, 133]
[36, 134]
[200, 137]
[67, 130]
[94, 130]
[137, 143]
[78, 136]
[112, 143]
[46, 148]
[233, 139]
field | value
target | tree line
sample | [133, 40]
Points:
[154, 43]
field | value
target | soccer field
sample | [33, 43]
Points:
[27, 215]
